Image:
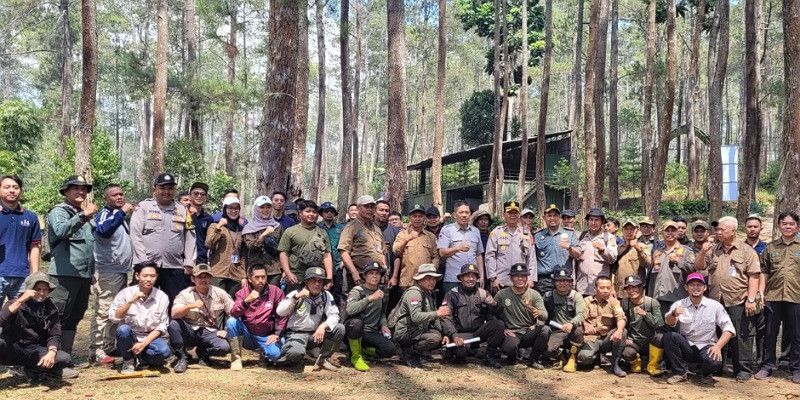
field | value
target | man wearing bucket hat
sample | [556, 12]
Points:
[599, 252]
[416, 320]
[71, 243]
[523, 312]
[566, 311]
[313, 324]
[696, 319]
[159, 235]
[509, 244]
[633, 258]
[195, 314]
[672, 262]
[471, 316]
[366, 326]
[31, 332]
[644, 327]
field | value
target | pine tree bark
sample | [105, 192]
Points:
[715, 93]
[438, 135]
[395, 143]
[232, 51]
[653, 197]
[693, 97]
[66, 75]
[590, 146]
[613, 122]
[298, 181]
[319, 142]
[160, 86]
[541, 199]
[788, 196]
[193, 119]
[576, 101]
[83, 143]
[599, 100]
[354, 176]
[275, 152]
[751, 142]
[647, 125]
[346, 167]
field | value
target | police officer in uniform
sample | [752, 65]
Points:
[566, 309]
[159, 236]
[471, 316]
[509, 244]
[556, 246]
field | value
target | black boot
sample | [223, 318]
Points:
[182, 363]
[616, 355]
[492, 359]
[534, 361]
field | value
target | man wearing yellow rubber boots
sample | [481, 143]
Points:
[644, 327]
[366, 321]
[566, 310]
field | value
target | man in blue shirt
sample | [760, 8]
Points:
[19, 239]
[460, 243]
[279, 210]
[556, 247]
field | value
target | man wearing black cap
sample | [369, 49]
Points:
[471, 310]
[555, 247]
[599, 250]
[566, 309]
[414, 246]
[71, 241]
[199, 220]
[366, 326]
[568, 219]
[633, 258]
[31, 331]
[334, 230]
[433, 220]
[644, 327]
[159, 235]
[508, 245]
[523, 312]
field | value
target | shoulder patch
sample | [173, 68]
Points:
[414, 301]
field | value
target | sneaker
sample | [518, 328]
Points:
[743, 376]
[762, 374]
[181, 365]
[675, 379]
[128, 367]
[535, 364]
[325, 364]
[69, 373]
[708, 380]
[100, 357]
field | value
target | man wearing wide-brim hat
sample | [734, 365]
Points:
[313, 323]
[418, 323]
[71, 242]
[31, 332]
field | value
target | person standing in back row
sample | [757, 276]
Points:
[361, 242]
[599, 250]
[508, 245]
[20, 237]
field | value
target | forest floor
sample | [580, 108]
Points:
[386, 380]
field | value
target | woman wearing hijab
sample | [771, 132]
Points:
[260, 240]
[224, 240]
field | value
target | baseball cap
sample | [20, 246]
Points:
[199, 185]
[633, 280]
[564, 274]
[647, 221]
[365, 199]
[373, 266]
[669, 224]
[696, 276]
[200, 269]
[328, 206]
[553, 207]
[261, 200]
[596, 212]
[315, 272]
[164, 179]
[519, 269]
[468, 269]
[432, 211]
[568, 213]
[417, 208]
[701, 224]
[511, 206]
[630, 221]
[526, 211]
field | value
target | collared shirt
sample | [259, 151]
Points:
[159, 235]
[593, 263]
[698, 324]
[506, 248]
[549, 254]
[666, 278]
[19, 231]
[414, 252]
[630, 261]
[286, 221]
[452, 235]
[781, 263]
[112, 242]
[71, 242]
[364, 243]
[602, 315]
[728, 272]
[215, 303]
[143, 316]
[371, 313]
[306, 315]
[201, 221]
[334, 233]
[260, 316]
[759, 247]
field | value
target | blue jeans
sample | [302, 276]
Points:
[10, 288]
[236, 328]
[155, 354]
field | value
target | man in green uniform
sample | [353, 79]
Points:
[417, 323]
[566, 309]
[304, 246]
[366, 321]
[644, 324]
[523, 311]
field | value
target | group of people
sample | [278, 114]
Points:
[292, 282]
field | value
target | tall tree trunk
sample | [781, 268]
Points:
[66, 76]
[647, 125]
[193, 119]
[83, 144]
[298, 177]
[613, 122]
[347, 114]
[541, 199]
[160, 86]
[495, 172]
[275, 152]
[395, 143]
[752, 135]
[356, 102]
[715, 93]
[590, 147]
[653, 197]
[788, 196]
[693, 98]
[319, 142]
[599, 100]
[232, 51]
[576, 101]
[438, 135]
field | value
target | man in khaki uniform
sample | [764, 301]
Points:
[633, 258]
[362, 242]
[414, 246]
[733, 275]
[599, 251]
[603, 327]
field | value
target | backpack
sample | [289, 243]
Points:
[313, 252]
[46, 246]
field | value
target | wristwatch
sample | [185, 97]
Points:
[751, 300]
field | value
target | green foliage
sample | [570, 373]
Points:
[686, 208]
[20, 132]
[562, 175]
[459, 174]
[769, 179]
[217, 186]
[477, 119]
[181, 158]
